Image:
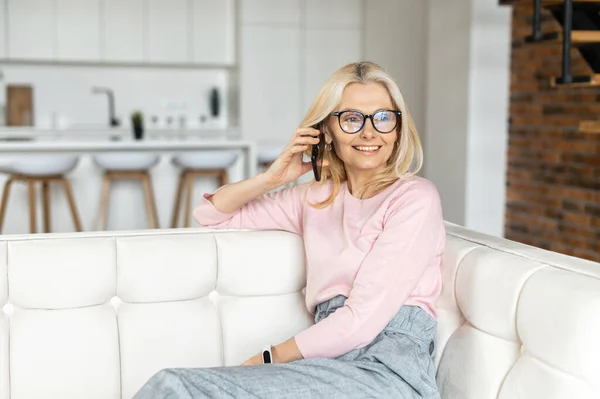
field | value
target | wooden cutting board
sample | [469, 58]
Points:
[19, 105]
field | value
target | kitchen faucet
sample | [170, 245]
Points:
[112, 120]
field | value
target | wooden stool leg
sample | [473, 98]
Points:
[150, 204]
[46, 203]
[32, 206]
[71, 200]
[4, 203]
[104, 196]
[189, 186]
[265, 166]
[224, 177]
[178, 194]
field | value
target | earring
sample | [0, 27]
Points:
[327, 147]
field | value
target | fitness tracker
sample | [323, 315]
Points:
[267, 355]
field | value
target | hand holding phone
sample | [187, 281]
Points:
[290, 164]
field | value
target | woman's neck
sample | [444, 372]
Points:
[357, 182]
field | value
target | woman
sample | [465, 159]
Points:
[374, 236]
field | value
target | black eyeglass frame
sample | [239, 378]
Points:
[365, 117]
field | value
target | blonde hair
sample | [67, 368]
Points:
[407, 156]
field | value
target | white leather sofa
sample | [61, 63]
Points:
[94, 315]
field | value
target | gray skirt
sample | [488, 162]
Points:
[399, 363]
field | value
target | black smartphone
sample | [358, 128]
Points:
[316, 158]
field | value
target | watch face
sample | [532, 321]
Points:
[266, 357]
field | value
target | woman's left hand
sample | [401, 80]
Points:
[256, 359]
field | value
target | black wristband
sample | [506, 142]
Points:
[267, 355]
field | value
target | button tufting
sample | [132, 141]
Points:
[8, 309]
[213, 296]
[115, 301]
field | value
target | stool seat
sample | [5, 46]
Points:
[41, 165]
[126, 161]
[268, 154]
[206, 160]
[127, 166]
[43, 170]
[207, 163]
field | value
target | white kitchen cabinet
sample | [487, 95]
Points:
[213, 31]
[2, 30]
[167, 34]
[77, 30]
[325, 52]
[270, 82]
[31, 29]
[284, 13]
[123, 31]
[334, 13]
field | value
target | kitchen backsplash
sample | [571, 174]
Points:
[168, 97]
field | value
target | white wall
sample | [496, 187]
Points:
[489, 94]
[288, 49]
[190, 42]
[451, 59]
[447, 106]
[64, 92]
[467, 109]
[396, 38]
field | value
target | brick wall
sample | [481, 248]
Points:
[553, 184]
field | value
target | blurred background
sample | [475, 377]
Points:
[119, 114]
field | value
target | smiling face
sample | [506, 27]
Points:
[364, 153]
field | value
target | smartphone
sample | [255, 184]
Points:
[316, 158]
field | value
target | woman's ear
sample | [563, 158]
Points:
[325, 132]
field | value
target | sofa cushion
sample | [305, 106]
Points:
[156, 335]
[169, 268]
[251, 264]
[449, 315]
[3, 274]
[62, 273]
[558, 321]
[66, 353]
[527, 322]
[4, 359]
[261, 320]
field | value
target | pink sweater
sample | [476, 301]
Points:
[381, 253]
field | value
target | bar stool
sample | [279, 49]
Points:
[127, 166]
[199, 164]
[43, 169]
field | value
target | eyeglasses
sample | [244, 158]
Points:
[352, 121]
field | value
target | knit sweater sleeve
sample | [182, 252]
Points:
[279, 210]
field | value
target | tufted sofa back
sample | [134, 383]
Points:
[516, 322]
[94, 315]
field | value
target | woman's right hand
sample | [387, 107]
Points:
[289, 166]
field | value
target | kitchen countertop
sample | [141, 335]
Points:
[33, 133]
[97, 128]
[122, 145]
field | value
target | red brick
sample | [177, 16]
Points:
[553, 170]
[577, 218]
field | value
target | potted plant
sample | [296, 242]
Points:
[137, 122]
